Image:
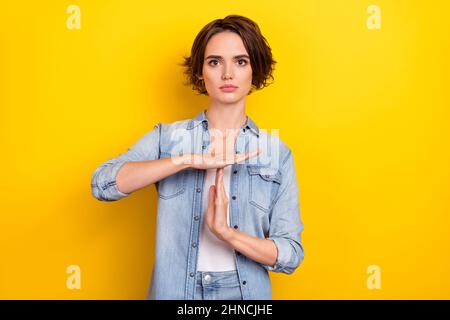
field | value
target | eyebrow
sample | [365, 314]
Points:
[221, 58]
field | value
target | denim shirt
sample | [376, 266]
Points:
[264, 203]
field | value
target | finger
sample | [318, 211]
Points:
[216, 141]
[211, 210]
[230, 138]
[219, 177]
[212, 150]
[212, 191]
[212, 145]
[222, 186]
[248, 155]
[219, 186]
[213, 136]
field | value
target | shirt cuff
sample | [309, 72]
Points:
[109, 189]
[283, 256]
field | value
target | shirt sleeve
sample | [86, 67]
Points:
[285, 224]
[103, 180]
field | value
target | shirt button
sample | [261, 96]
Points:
[196, 218]
[244, 283]
[194, 245]
[203, 147]
[199, 190]
[235, 171]
[233, 197]
[235, 226]
[191, 274]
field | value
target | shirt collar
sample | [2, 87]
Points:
[201, 118]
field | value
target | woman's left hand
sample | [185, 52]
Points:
[216, 215]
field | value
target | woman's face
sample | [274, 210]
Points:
[226, 63]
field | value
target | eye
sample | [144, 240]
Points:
[212, 61]
[240, 60]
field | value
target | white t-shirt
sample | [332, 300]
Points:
[214, 254]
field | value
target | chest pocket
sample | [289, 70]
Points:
[173, 185]
[264, 185]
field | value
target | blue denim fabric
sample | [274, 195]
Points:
[264, 203]
[222, 285]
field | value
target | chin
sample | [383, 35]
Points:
[229, 96]
[230, 99]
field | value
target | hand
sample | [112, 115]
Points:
[216, 214]
[216, 161]
[220, 155]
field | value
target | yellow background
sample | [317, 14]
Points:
[366, 113]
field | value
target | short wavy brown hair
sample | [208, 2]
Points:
[256, 45]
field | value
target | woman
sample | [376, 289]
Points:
[228, 208]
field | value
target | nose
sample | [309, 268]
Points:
[227, 72]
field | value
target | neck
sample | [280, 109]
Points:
[226, 116]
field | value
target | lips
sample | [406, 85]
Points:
[227, 86]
